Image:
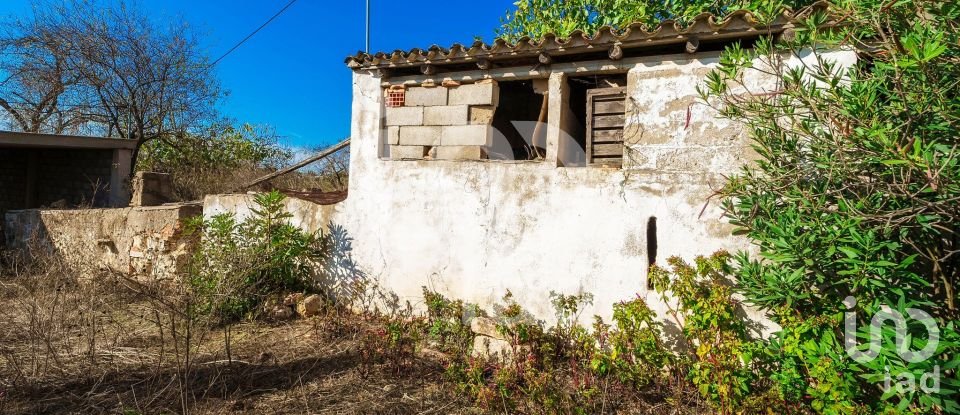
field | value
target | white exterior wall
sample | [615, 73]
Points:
[473, 230]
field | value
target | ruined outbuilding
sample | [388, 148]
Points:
[48, 170]
[559, 164]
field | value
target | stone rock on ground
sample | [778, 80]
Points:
[293, 299]
[490, 348]
[485, 327]
[280, 312]
[310, 306]
[488, 343]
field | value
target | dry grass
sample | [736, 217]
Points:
[111, 345]
[108, 344]
[195, 183]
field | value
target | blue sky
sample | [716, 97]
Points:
[292, 75]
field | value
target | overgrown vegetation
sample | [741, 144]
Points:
[566, 368]
[535, 18]
[852, 207]
[854, 202]
[72, 342]
[239, 265]
[224, 158]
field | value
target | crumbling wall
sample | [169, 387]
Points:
[144, 243]
[475, 230]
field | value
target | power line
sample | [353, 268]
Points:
[254, 33]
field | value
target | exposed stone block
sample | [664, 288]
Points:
[490, 348]
[459, 153]
[474, 94]
[420, 135]
[687, 160]
[151, 189]
[407, 152]
[310, 306]
[404, 116]
[446, 115]
[466, 135]
[423, 97]
[482, 114]
[485, 326]
[393, 135]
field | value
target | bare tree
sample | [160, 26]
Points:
[335, 169]
[35, 79]
[131, 76]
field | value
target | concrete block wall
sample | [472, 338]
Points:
[442, 123]
[71, 177]
[151, 189]
[64, 177]
[669, 130]
[13, 184]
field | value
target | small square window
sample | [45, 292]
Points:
[396, 97]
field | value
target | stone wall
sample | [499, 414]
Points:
[476, 230]
[144, 243]
[308, 216]
[441, 122]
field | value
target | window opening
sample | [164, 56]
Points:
[519, 122]
[593, 121]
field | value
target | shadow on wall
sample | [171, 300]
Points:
[342, 279]
[27, 242]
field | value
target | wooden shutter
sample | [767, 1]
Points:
[606, 110]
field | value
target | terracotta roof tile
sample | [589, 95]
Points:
[738, 24]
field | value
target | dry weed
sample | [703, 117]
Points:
[108, 344]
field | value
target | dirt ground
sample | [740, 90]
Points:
[111, 345]
[69, 347]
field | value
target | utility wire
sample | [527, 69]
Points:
[267, 23]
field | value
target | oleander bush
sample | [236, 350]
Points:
[240, 264]
[854, 203]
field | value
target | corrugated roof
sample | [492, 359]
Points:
[704, 27]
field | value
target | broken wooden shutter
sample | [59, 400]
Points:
[606, 110]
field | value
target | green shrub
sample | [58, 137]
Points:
[719, 357]
[856, 194]
[239, 265]
[632, 350]
[447, 322]
[393, 339]
[547, 370]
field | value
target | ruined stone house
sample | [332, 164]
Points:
[567, 165]
[560, 164]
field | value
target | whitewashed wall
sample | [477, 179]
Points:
[473, 230]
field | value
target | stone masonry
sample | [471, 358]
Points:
[443, 123]
[145, 243]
